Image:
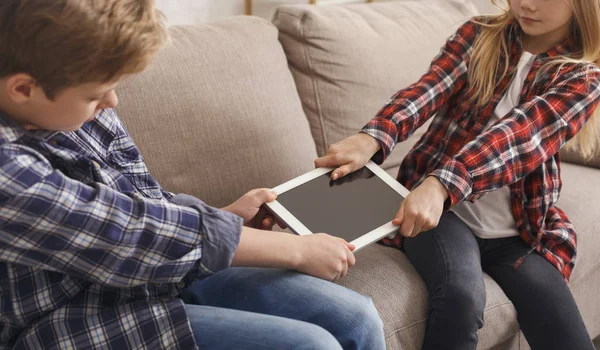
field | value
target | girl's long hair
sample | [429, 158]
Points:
[487, 55]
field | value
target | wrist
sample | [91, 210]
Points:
[296, 255]
[370, 143]
[435, 183]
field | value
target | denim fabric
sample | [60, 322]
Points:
[452, 260]
[259, 308]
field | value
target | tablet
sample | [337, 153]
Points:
[358, 207]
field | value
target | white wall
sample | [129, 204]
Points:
[200, 11]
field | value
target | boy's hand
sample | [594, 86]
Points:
[324, 256]
[248, 207]
[422, 208]
[349, 155]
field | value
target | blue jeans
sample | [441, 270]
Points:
[451, 260]
[259, 308]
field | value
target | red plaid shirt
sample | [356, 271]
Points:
[520, 150]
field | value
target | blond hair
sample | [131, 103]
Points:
[486, 61]
[65, 43]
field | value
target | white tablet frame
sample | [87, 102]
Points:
[297, 227]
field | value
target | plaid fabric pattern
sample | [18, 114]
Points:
[520, 150]
[92, 251]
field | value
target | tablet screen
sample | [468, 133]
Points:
[348, 207]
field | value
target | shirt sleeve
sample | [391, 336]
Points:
[522, 140]
[411, 107]
[50, 221]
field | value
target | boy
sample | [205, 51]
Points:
[95, 254]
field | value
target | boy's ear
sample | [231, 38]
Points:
[20, 87]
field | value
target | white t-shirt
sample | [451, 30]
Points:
[491, 215]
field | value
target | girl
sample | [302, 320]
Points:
[507, 91]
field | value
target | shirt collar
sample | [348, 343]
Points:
[9, 130]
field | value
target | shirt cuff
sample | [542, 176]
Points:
[384, 131]
[457, 181]
[220, 231]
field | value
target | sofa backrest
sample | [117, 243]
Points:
[348, 60]
[570, 156]
[217, 113]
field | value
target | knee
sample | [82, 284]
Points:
[367, 331]
[315, 337]
[465, 302]
[367, 312]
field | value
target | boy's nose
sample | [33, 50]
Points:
[110, 100]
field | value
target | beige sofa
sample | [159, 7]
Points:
[242, 103]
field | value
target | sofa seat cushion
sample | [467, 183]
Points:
[217, 113]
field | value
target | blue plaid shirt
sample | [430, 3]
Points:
[93, 252]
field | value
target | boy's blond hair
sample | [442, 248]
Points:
[487, 56]
[65, 43]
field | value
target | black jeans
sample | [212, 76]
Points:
[451, 260]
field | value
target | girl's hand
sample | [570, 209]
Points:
[248, 207]
[422, 209]
[349, 155]
[324, 256]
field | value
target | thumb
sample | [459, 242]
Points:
[264, 195]
[399, 218]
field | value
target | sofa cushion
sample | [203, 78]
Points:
[348, 60]
[580, 199]
[570, 156]
[217, 105]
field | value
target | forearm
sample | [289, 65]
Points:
[411, 107]
[267, 249]
[522, 140]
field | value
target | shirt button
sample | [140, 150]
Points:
[96, 165]
[181, 284]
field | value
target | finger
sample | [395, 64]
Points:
[417, 228]
[266, 195]
[281, 224]
[346, 244]
[351, 246]
[328, 161]
[407, 226]
[344, 269]
[342, 171]
[351, 258]
[399, 218]
[335, 276]
[259, 218]
[271, 226]
[267, 223]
